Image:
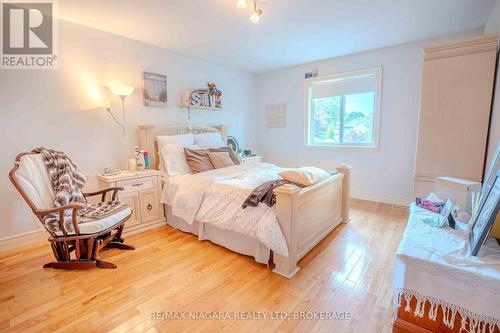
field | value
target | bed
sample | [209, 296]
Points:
[303, 215]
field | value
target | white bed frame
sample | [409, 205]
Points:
[306, 215]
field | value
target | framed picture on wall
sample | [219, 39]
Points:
[155, 89]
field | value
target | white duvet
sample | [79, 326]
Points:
[216, 197]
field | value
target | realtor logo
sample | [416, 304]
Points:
[28, 35]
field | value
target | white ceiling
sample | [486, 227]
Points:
[290, 32]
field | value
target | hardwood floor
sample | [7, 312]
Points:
[170, 271]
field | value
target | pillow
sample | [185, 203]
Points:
[174, 160]
[209, 139]
[183, 140]
[198, 160]
[220, 159]
[305, 176]
[231, 153]
[162, 140]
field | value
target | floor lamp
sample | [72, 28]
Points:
[122, 91]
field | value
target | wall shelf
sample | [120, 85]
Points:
[209, 98]
[183, 106]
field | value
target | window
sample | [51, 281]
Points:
[342, 110]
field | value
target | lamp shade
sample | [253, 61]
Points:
[121, 90]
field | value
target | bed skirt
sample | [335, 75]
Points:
[231, 240]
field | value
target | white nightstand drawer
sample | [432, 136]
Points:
[131, 199]
[150, 208]
[138, 184]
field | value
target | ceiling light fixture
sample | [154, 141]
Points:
[241, 4]
[257, 12]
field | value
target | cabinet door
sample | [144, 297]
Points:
[150, 205]
[132, 200]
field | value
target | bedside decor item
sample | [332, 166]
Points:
[485, 216]
[111, 171]
[155, 89]
[147, 163]
[132, 165]
[139, 158]
[233, 143]
[121, 91]
[276, 115]
[51, 185]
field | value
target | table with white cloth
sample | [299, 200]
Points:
[434, 266]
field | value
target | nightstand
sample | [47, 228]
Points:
[141, 191]
[251, 159]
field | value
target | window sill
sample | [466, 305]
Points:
[342, 148]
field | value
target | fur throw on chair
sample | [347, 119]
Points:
[68, 182]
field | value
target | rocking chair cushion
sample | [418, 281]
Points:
[33, 178]
[96, 226]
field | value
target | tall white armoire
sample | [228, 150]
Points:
[457, 88]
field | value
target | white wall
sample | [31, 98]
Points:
[384, 175]
[56, 108]
[493, 26]
[493, 23]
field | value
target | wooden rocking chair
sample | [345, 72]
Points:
[30, 178]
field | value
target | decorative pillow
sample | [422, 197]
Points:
[209, 139]
[198, 160]
[174, 160]
[220, 159]
[305, 176]
[231, 153]
[182, 140]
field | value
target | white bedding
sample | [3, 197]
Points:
[216, 196]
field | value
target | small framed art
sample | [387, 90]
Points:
[485, 216]
[155, 89]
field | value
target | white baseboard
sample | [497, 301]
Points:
[25, 238]
[381, 198]
[40, 235]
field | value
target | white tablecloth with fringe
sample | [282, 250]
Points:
[434, 265]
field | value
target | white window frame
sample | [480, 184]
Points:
[377, 71]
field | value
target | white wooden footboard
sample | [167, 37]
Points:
[307, 215]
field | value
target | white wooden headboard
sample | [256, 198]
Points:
[148, 134]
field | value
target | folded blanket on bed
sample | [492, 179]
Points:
[264, 193]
